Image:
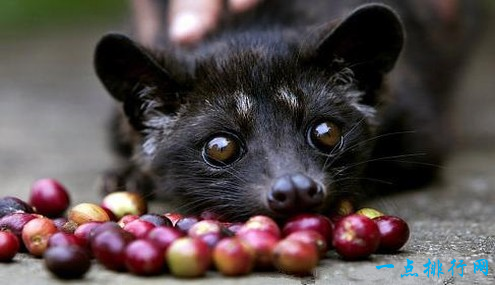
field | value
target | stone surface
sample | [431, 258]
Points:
[52, 117]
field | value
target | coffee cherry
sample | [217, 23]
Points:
[10, 205]
[261, 223]
[210, 231]
[14, 223]
[9, 246]
[313, 238]
[64, 239]
[103, 227]
[36, 233]
[127, 219]
[49, 197]
[232, 257]
[142, 257]
[262, 243]
[185, 223]
[369, 212]
[125, 203]
[139, 228]
[157, 220]
[67, 262]
[108, 247]
[315, 222]
[83, 232]
[110, 214]
[394, 233]
[87, 212]
[173, 217]
[344, 207]
[295, 257]
[211, 239]
[162, 237]
[356, 237]
[234, 228]
[142, 244]
[188, 257]
[204, 227]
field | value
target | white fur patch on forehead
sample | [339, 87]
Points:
[287, 98]
[244, 104]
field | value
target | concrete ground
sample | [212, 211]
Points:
[52, 113]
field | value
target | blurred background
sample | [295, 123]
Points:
[53, 110]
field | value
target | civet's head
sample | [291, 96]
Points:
[265, 123]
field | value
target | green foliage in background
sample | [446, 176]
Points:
[32, 14]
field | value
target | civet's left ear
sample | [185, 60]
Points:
[368, 41]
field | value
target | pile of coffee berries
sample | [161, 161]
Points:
[122, 236]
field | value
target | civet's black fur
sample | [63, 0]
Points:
[329, 56]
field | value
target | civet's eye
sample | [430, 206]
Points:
[222, 150]
[325, 136]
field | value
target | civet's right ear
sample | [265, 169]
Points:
[134, 77]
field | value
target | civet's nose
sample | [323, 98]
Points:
[295, 193]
